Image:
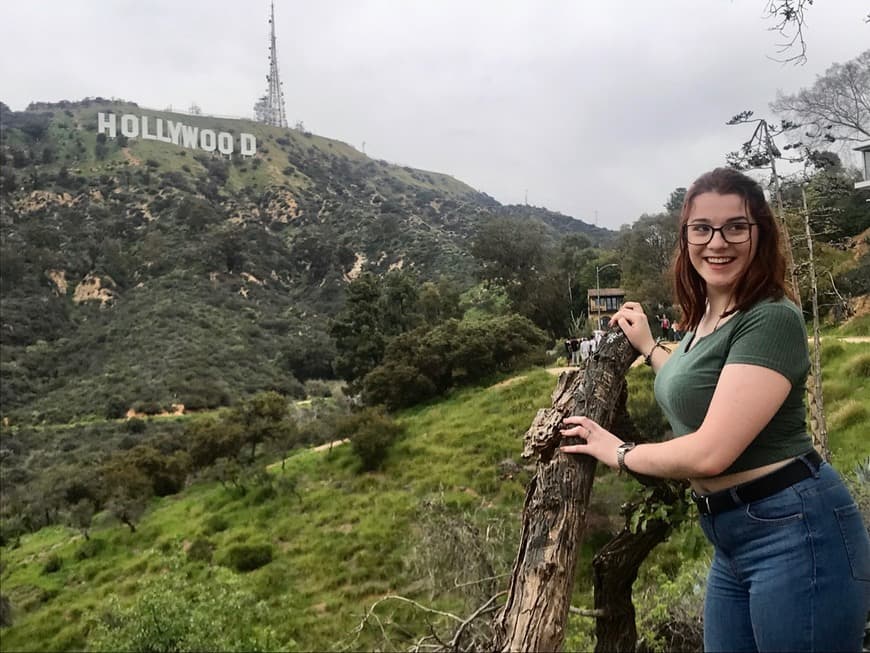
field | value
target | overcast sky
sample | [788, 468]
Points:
[587, 108]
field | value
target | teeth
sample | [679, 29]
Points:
[719, 260]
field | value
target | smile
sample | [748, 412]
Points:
[718, 260]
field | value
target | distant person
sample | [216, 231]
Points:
[575, 351]
[568, 350]
[665, 325]
[677, 330]
[791, 563]
[585, 349]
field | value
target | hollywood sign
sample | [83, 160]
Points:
[177, 133]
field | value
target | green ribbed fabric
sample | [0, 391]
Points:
[771, 334]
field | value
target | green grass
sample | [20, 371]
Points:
[348, 539]
[846, 390]
[857, 326]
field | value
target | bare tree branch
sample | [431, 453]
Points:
[791, 18]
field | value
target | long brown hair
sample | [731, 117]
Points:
[763, 278]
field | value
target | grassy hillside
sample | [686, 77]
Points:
[439, 525]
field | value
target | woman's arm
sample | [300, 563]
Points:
[745, 400]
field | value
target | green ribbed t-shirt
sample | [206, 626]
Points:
[771, 334]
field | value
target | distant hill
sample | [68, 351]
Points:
[141, 271]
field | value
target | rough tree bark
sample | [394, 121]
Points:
[554, 514]
[615, 567]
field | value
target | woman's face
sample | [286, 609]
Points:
[719, 262]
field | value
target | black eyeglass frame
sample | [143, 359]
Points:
[721, 231]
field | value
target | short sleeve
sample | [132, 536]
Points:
[772, 335]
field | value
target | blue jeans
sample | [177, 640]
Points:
[790, 572]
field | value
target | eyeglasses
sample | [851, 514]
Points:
[733, 232]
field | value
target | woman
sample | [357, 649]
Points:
[791, 566]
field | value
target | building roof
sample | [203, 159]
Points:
[605, 292]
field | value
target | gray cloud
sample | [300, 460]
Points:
[588, 106]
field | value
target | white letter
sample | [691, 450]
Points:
[225, 143]
[145, 134]
[247, 144]
[106, 123]
[129, 125]
[188, 136]
[160, 135]
[174, 131]
[207, 140]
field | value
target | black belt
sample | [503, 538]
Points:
[755, 490]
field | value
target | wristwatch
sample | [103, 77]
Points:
[621, 450]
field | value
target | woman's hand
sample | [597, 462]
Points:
[633, 322]
[600, 443]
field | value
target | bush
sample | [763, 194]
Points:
[397, 386]
[116, 407]
[247, 557]
[89, 549]
[859, 366]
[52, 564]
[372, 433]
[175, 613]
[5, 611]
[201, 550]
[136, 425]
[216, 524]
[317, 388]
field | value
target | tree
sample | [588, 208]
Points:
[674, 205]
[128, 492]
[511, 252]
[80, 515]
[262, 417]
[835, 108]
[790, 25]
[377, 309]
[372, 432]
[539, 280]
[645, 249]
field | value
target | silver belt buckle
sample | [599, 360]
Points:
[707, 503]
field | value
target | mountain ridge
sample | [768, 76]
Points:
[250, 253]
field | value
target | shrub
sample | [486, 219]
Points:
[831, 351]
[174, 613]
[317, 388]
[136, 425]
[216, 524]
[397, 386]
[848, 414]
[372, 433]
[859, 366]
[89, 549]
[116, 407]
[5, 611]
[247, 557]
[201, 550]
[52, 564]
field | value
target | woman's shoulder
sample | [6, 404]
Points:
[776, 315]
[782, 306]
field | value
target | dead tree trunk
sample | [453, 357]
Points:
[615, 567]
[554, 513]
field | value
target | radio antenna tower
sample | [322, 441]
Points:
[270, 108]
